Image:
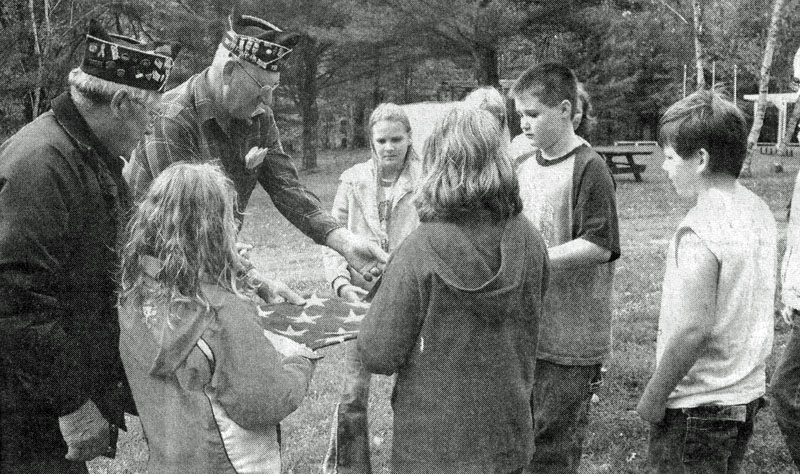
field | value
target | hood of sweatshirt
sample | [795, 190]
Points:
[174, 327]
[485, 273]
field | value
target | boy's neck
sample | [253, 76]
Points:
[720, 182]
[565, 144]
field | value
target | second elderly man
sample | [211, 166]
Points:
[222, 114]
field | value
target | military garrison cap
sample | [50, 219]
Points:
[266, 49]
[127, 61]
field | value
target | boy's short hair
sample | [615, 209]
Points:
[468, 169]
[551, 83]
[705, 119]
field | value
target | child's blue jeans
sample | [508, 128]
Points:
[785, 391]
[703, 440]
[562, 395]
[348, 451]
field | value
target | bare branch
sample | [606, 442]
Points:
[673, 10]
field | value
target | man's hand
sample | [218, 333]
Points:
[367, 258]
[86, 433]
[274, 291]
[255, 157]
[352, 293]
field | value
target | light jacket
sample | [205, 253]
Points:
[356, 207]
[210, 389]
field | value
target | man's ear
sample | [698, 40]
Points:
[120, 104]
[704, 160]
[227, 71]
[566, 109]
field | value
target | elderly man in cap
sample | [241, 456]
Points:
[222, 115]
[62, 203]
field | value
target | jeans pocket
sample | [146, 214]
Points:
[708, 438]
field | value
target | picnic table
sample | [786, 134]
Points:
[628, 152]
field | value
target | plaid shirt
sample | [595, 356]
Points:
[188, 130]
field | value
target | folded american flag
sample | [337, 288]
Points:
[321, 322]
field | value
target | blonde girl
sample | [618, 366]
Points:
[210, 389]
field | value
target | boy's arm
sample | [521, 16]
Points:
[698, 270]
[577, 252]
[595, 226]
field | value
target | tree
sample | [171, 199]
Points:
[697, 16]
[478, 30]
[342, 41]
[763, 85]
[44, 39]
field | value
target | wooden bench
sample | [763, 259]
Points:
[628, 152]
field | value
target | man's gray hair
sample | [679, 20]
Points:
[89, 91]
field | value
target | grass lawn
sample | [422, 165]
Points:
[649, 212]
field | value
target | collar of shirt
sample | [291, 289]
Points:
[207, 108]
[68, 116]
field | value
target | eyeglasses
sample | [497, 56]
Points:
[153, 110]
[261, 87]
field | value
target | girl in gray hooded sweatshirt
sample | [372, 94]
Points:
[457, 314]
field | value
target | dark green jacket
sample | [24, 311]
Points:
[62, 201]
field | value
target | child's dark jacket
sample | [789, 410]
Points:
[457, 319]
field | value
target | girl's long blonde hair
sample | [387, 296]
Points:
[186, 221]
[467, 169]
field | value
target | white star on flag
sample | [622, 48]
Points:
[291, 332]
[351, 318]
[262, 313]
[305, 318]
[313, 300]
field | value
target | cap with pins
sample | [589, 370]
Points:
[124, 60]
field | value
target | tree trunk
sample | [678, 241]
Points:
[787, 135]
[698, 46]
[359, 139]
[36, 98]
[763, 86]
[377, 94]
[408, 77]
[308, 103]
[486, 66]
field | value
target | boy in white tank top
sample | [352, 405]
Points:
[716, 322]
